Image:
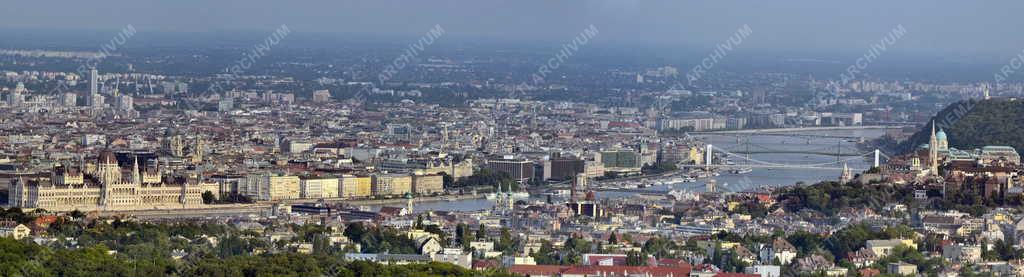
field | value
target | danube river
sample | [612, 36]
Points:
[813, 148]
[813, 144]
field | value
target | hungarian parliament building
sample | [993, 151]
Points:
[103, 186]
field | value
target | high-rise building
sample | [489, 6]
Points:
[94, 81]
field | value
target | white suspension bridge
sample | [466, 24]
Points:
[755, 163]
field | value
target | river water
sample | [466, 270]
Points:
[787, 176]
[737, 182]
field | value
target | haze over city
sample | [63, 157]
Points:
[511, 138]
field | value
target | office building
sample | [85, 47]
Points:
[519, 169]
[562, 168]
[94, 81]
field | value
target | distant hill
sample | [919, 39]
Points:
[973, 124]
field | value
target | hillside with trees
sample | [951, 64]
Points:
[973, 124]
[88, 247]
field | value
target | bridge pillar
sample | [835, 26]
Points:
[877, 154]
[707, 160]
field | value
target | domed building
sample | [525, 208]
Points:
[941, 141]
[108, 187]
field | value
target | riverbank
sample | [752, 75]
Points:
[375, 202]
[221, 210]
[803, 129]
[210, 211]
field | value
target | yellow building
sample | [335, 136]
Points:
[1001, 217]
[318, 187]
[283, 187]
[417, 233]
[391, 184]
[882, 248]
[710, 244]
[427, 184]
[356, 186]
[458, 170]
[696, 156]
[733, 205]
[11, 229]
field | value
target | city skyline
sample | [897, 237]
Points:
[511, 138]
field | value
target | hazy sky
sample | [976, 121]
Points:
[933, 26]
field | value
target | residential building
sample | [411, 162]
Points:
[427, 184]
[318, 187]
[356, 186]
[391, 184]
[11, 229]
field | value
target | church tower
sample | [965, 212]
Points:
[846, 176]
[933, 153]
[409, 205]
[136, 176]
[109, 174]
[176, 146]
[197, 150]
[108, 171]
